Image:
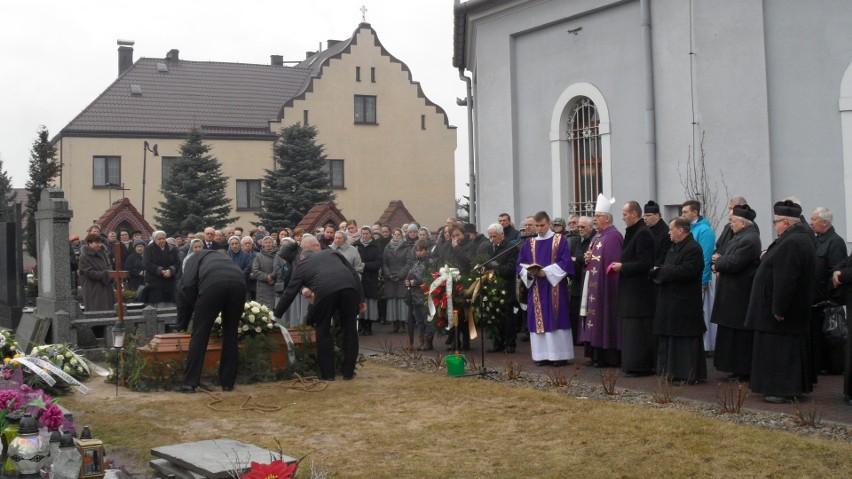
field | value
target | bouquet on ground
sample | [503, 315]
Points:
[65, 359]
[256, 320]
[492, 302]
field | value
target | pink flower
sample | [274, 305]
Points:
[51, 418]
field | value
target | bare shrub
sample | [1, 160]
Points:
[387, 347]
[667, 392]
[730, 397]
[513, 370]
[810, 418]
[609, 377]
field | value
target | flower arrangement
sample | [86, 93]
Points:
[438, 298]
[8, 345]
[496, 303]
[276, 469]
[65, 359]
[256, 320]
[16, 399]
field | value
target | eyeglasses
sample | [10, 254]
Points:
[775, 222]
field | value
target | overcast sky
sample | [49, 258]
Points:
[59, 55]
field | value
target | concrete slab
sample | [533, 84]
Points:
[215, 458]
[165, 469]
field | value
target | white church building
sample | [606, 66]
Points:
[576, 97]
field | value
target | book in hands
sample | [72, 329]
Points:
[531, 266]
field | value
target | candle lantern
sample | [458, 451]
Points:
[92, 452]
[68, 461]
[29, 451]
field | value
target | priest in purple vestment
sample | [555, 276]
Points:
[544, 264]
[602, 326]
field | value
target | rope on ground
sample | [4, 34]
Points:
[245, 406]
[310, 384]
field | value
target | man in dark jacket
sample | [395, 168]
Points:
[679, 316]
[636, 294]
[211, 284]
[779, 310]
[328, 278]
[842, 278]
[659, 228]
[512, 235]
[506, 257]
[579, 244]
[830, 251]
[735, 265]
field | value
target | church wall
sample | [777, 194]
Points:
[393, 160]
[808, 49]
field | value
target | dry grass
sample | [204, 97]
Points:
[395, 423]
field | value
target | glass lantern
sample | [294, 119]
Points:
[92, 452]
[68, 461]
[29, 451]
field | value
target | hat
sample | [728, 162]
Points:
[135, 232]
[413, 227]
[744, 211]
[603, 204]
[558, 222]
[652, 207]
[787, 208]
[74, 238]
[469, 228]
[138, 242]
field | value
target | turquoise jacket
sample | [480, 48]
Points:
[704, 235]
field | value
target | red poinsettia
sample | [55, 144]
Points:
[277, 469]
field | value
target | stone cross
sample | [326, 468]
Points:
[118, 275]
[363, 14]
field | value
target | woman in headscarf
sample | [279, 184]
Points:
[94, 275]
[371, 258]
[396, 261]
[262, 268]
[195, 246]
[135, 271]
[162, 266]
[282, 269]
[289, 252]
[341, 245]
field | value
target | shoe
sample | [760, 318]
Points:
[495, 350]
[543, 362]
[206, 385]
[349, 377]
[560, 363]
[778, 399]
[184, 388]
[510, 350]
[227, 389]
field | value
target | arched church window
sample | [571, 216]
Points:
[585, 147]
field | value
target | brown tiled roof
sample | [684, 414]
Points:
[320, 214]
[122, 212]
[235, 99]
[396, 215]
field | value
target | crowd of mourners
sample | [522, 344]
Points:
[658, 299]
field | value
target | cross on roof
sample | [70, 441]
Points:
[363, 13]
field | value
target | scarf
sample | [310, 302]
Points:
[354, 237]
[395, 244]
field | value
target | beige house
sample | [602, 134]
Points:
[384, 139]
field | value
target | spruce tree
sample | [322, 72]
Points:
[194, 195]
[299, 180]
[43, 169]
[7, 195]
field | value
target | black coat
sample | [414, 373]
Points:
[679, 304]
[578, 246]
[459, 256]
[395, 265]
[506, 265]
[203, 269]
[736, 267]
[371, 256]
[662, 241]
[155, 261]
[323, 272]
[830, 251]
[134, 270]
[635, 289]
[783, 284]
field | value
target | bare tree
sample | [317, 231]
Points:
[698, 185]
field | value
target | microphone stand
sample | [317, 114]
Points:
[480, 269]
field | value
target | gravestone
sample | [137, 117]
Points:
[32, 331]
[11, 272]
[212, 459]
[54, 265]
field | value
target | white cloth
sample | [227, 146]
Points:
[557, 345]
[710, 334]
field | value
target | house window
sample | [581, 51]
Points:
[335, 174]
[106, 171]
[373, 74]
[357, 73]
[365, 109]
[305, 119]
[247, 194]
[168, 162]
[584, 138]
[422, 122]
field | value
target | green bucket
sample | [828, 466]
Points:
[455, 364]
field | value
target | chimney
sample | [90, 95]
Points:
[309, 54]
[332, 43]
[276, 60]
[173, 55]
[125, 55]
